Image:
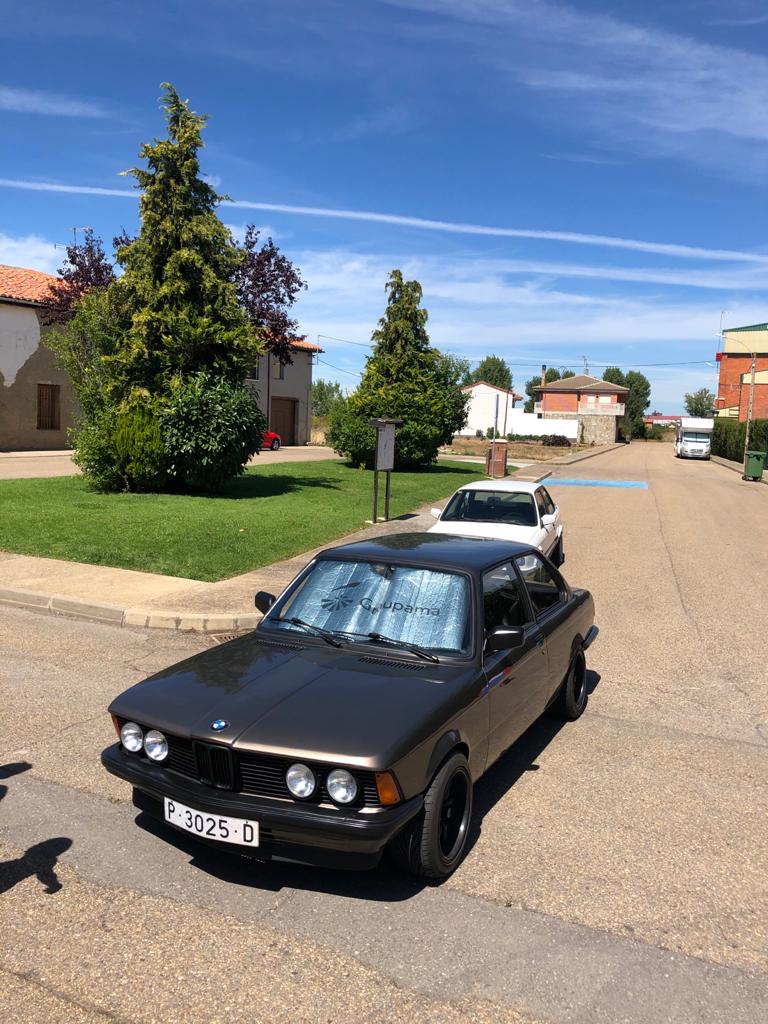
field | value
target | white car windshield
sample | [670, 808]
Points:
[692, 435]
[513, 508]
[426, 607]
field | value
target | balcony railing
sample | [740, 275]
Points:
[604, 409]
[586, 408]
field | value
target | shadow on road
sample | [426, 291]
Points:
[39, 860]
[384, 883]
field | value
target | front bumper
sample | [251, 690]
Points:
[308, 834]
[693, 455]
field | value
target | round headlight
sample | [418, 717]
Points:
[132, 737]
[156, 745]
[341, 786]
[301, 781]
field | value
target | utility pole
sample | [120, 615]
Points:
[586, 365]
[750, 406]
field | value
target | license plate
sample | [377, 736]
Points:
[212, 826]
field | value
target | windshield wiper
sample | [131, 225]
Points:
[405, 644]
[324, 634]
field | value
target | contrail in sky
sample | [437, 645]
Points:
[424, 224]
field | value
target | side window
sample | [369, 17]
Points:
[550, 505]
[543, 589]
[503, 600]
[541, 503]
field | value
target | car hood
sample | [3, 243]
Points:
[316, 702]
[494, 531]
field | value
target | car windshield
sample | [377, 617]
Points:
[514, 508]
[426, 607]
[694, 435]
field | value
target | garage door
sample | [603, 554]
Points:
[283, 420]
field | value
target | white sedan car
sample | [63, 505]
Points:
[505, 510]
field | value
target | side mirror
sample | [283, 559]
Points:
[547, 520]
[503, 638]
[435, 513]
[264, 601]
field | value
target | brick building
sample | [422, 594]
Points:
[735, 372]
[596, 403]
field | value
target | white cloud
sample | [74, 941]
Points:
[632, 82]
[34, 101]
[30, 251]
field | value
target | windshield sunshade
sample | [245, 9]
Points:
[421, 606]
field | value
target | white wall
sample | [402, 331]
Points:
[19, 339]
[482, 411]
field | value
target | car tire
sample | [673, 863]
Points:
[433, 845]
[275, 445]
[571, 701]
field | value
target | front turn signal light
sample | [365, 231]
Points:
[116, 725]
[388, 790]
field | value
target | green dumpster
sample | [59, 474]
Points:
[754, 463]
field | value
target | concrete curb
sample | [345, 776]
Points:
[736, 467]
[96, 611]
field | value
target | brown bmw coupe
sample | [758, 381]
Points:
[376, 690]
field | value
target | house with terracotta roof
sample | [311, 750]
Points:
[597, 405]
[38, 404]
[284, 392]
[37, 401]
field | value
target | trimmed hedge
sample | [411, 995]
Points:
[729, 435]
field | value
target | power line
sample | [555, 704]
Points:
[535, 362]
[352, 373]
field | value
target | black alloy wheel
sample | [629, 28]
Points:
[433, 845]
[572, 698]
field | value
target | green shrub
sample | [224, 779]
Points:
[139, 451]
[729, 435]
[94, 450]
[210, 430]
[654, 433]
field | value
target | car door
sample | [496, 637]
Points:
[549, 530]
[551, 609]
[516, 678]
[552, 509]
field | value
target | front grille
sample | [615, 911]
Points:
[215, 765]
[262, 774]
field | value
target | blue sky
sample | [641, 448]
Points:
[564, 180]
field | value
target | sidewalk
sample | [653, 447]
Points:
[124, 597]
[127, 598]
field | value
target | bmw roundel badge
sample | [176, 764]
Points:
[219, 724]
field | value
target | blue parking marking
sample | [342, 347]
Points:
[639, 484]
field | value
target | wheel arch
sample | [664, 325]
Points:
[448, 744]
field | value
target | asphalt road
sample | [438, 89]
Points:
[619, 867]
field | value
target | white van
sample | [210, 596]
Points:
[694, 438]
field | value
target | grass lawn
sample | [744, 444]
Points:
[269, 514]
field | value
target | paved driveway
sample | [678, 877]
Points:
[619, 870]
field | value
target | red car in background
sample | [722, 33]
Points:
[270, 440]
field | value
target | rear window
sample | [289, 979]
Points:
[510, 508]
